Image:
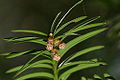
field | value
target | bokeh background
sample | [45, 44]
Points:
[39, 14]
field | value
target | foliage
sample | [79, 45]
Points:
[96, 77]
[56, 49]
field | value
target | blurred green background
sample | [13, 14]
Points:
[39, 14]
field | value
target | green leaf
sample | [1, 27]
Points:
[89, 79]
[66, 77]
[10, 53]
[27, 39]
[20, 39]
[82, 25]
[65, 35]
[42, 66]
[79, 39]
[14, 69]
[80, 67]
[18, 54]
[32, 65]
[80, 28]
[36, 52]
[34, 75]
[75, 63]
[30, 31]
[97, 77]
[108, 76]
[67, 14]
[85, 23]
[27, 64]
[84, 52]
[83, 78]
[4, 54]
[54, 21]
[38, 41]
[46, 52]
[72, 21]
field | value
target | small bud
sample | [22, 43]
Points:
[49, 47]
[56, 42]
[56, 57]
[62, 46]
[50, 40]
[54, 51]
[51, 34]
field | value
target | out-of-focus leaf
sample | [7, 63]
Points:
[4, 54]
[108, 76]
[97, 77]
[83, 78]
[89, 79]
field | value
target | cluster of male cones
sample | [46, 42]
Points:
[54, 45]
